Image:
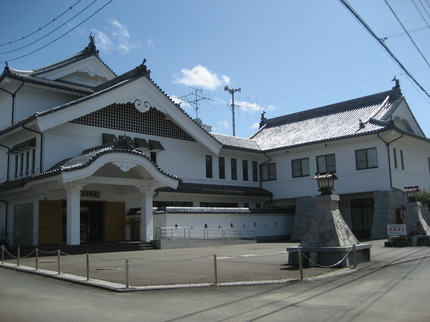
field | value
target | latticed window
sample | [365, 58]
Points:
[125, 117]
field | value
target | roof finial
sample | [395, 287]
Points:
[397, 82]
[263, 118]
[91, 48]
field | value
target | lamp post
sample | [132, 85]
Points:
[325, 182]
[414, 220]
[411, 193]
[232, 91]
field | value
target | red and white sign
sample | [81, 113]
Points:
[396, 230]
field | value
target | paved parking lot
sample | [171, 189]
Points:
[244, 263]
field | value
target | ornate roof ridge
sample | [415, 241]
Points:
[88, 51]
[330, 109]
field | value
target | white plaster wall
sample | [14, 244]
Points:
[262, 224]
[350, 179]
[416, 163]
[5, 109]
[31, 99]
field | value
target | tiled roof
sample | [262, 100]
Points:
[236, 142]
[88, 158]
[350, 118]
[88, 51]
[214, 189]
[78, 162]
[29, 77]
[215, 210]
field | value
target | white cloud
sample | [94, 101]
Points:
[255, 126]
[116, 38]
[200, 76]
[103, 41]
[222, 125]
[178, 100]
[150, 44]
[248, 106]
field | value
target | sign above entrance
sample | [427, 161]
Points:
[90, 194]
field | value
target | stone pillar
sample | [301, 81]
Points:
[146, 215]
[414, 220]
[328, 228]
[305, 211]
[74, 213]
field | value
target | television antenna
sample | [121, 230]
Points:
[193, 98]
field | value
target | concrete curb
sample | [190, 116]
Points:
[116, 287]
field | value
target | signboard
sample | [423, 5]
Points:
[396, 230]
[90, 194]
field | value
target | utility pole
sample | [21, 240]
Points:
[232, 91]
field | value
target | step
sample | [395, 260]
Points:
[90, 248]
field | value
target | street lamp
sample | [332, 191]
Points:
[325, 182]
[232, 91]
[411, 193]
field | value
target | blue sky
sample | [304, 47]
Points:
[285, 55]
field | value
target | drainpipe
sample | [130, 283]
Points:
[387, 144]
[5, 219]
[8, 161]
[13, 100]
[267, 161]
[41, 146]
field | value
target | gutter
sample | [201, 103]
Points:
[41, 146]
[261, 186]
[387, 144]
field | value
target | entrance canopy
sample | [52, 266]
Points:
[116, 165]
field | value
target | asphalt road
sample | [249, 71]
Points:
[394, 290]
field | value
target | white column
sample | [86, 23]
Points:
[74, 213]
[146, 216]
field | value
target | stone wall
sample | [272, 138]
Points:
[305, 210]
[385, 205]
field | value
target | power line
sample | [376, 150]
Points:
[381, 42]
[41, 28]
[49, 33]
[419, 11]
[402, 33]
[36, 50]
[407, 33]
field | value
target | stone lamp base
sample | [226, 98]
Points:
[329, 238]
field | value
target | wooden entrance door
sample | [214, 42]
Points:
[114, 221]
[50, 222]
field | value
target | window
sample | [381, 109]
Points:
[402, 162]
[268, 172]
[208, 166]
[300, 167]
[326, 163]
[245, 170]
[221, 167]
[254, 171]
[366, 159]
[153, 156]
[233, 169]
[395, 158]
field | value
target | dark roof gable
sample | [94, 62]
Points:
[88, 51]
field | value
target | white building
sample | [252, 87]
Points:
[86, 154]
